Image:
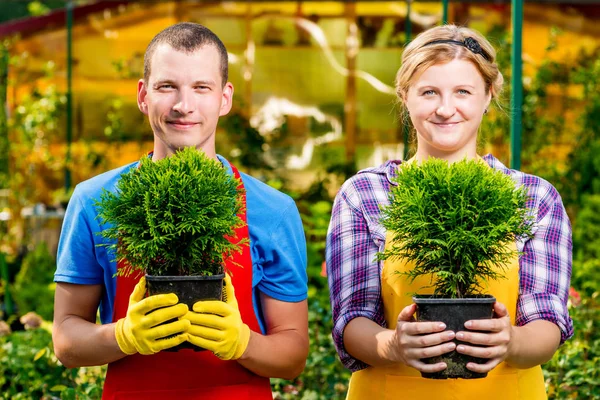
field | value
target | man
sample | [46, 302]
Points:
[259, 332]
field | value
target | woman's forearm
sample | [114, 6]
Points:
[534, 344]
[365, 340]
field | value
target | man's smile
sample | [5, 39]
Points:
[182, 124]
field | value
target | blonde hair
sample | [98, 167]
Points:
[419, 55]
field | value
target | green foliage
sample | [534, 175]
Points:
[573, 371]
[37, 8]
[34, 287]
[315, 219]
[543, 126]
[324, 377]
[4, 142]
[35, 125]
[13, 9]
[30, 370]
[582, 176]
[540, 128]
[586, 232]
[455, 221]
[39, 115]
[62, 196]
[249, 144]
[114, 120]
[173, 216]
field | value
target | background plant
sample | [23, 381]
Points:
[34, 287]
[573, 371]
[324, 377]
[173, 216]
[30, 370]
[455, 222]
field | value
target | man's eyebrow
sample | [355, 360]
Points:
[200, 82]
[162, 81]
[207, 82]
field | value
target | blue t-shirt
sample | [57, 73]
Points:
[277, 242]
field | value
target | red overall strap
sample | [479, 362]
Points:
[187, 374]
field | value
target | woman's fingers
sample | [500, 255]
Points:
[482, 368]
[500, 310]
[421, 336]
[491, 338]
[429, 368]
[432, 351]
[407, 313]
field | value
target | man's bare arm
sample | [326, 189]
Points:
[78, 340]
[282, 352]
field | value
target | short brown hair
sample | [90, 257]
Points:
[187, 37]
[420, 55]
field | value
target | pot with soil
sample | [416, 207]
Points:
[174, 219]
[457, 224]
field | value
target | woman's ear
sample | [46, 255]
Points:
[487, 103]
[402, 98]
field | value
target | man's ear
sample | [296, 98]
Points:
[226, 99]
[141, 96]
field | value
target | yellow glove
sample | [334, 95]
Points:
[217, 325]
[140, 331]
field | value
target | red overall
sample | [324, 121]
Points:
[187, 374]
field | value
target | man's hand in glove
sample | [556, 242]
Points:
[217, 325]
[141, 330]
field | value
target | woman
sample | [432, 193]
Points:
[446, 83]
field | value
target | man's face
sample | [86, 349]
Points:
[184, 98]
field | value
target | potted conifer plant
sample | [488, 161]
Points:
[455, 223]
[174, 220]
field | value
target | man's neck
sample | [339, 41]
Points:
[161, 152]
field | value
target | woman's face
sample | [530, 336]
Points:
[446, 104]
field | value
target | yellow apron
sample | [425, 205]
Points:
[403, 382]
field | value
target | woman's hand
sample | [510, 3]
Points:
[412, 341]
[496, 335]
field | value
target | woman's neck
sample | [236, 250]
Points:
[422, 155]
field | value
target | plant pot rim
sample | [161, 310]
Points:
[173, 278]
[475, 299]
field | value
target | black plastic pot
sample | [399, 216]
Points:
[454, 313]
[189, 290]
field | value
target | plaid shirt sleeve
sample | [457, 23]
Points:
[545, 263]
[355, 236]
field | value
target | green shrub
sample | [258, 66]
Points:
[586, 246]
[34, 287]
[30, 370]
[324, 377]
[573, 372]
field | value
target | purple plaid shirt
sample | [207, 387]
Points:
[356, 235]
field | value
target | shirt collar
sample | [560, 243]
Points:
[390, 167]
[225, 164]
